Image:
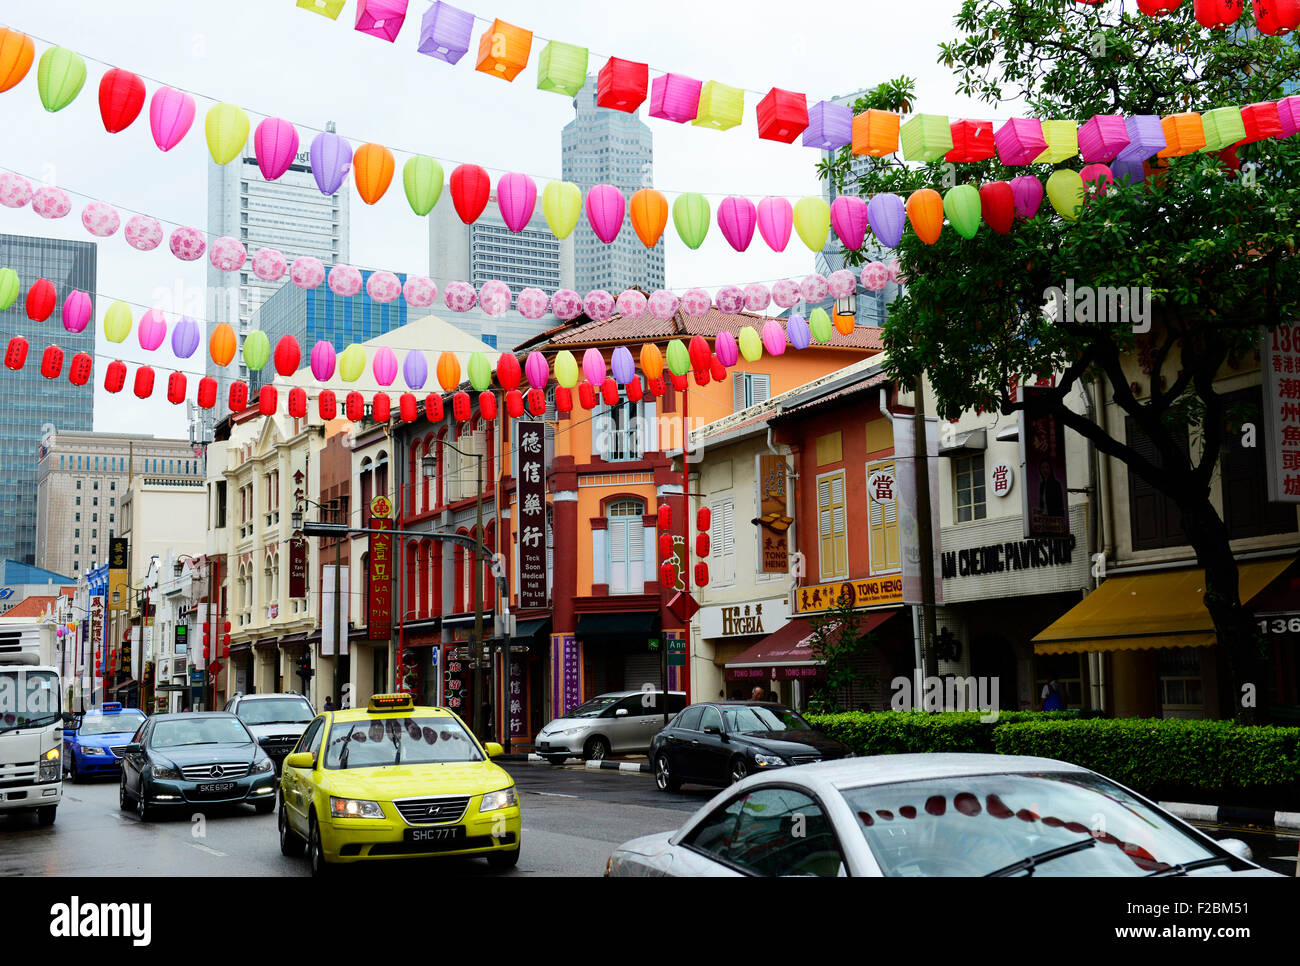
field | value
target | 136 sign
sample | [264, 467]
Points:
[1280, 625]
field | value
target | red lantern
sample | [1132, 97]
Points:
[621, 85]
[268, 400]
[238, 400]
[665, 546]
[1158, 8]
[998, 205]
[701, 545]
[381, 407]
[508, 371]
[971, 141]
[782, 115]
[470, 188]
[665, 516]
[354, 407]
[703, 519]
[679, 382]
[667, 575]
[514, 403]
[634, 391]
[287, 355]
[1275, 17]
[297, 402]
[563, 399]
[699, 353]
[144, 382]
[52, 362]
[409, 407]
[461, 408]
[655, 387]
[40, 300]
[176, 386]
[79, 369]
[702, 377]
[537, 402]
[327, 405]
[717, 370]
[609, 391]
[114, 375]
[701, 574]
[207, 396]
[1261, 121]
[1217, 14]
[586, 395]
[121, 96]
[433, 408]
[487, 405]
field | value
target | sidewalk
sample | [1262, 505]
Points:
[1230, 815]
[642, 767]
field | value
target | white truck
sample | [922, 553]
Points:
[31, 720]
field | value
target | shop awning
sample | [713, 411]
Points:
[266, 645]
[1147, 611]
[635, 623]
[530, 629]
[294, 640]
[791, 646]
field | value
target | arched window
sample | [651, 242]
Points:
[381, 474]
[440, 454]
[364, 616]
[625, 551]
[412, 482]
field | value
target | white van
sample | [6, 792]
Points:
[31, 720]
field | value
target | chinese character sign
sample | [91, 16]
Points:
[380, 619]
[566, 673]
[1001, 476]
[531, 526]
[455, 677]
[1282, 413]
[117, 574]
[772, 515]
[515, 701]
[298, 568]
[1042, 454]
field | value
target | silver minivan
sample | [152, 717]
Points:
[621, 722]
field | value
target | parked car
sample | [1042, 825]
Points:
[932, 815]
[621, 722]
[93, 744]
[202, 758]
[277, 721]
[718, 743]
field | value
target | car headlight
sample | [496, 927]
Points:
[262, 767]
[354, 808]
[166, 771]
[495, 801]
[92, 750]
[572, 731]
[768, 761]
[51, 769]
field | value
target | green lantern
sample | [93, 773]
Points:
[352, 362]
[962, 206]
[1223, 128]
[1065, 191]
[819, 324]
[926, 137]
[562, 68]
[1062, 139]
[422, 179]
[117, 322]
[59, 77]
[566, 369]
[721, 107]
[691, 216]
[257, 350]
[480, 372]
[679, 360]
[9, 286]
[751, 346]
[561, 206]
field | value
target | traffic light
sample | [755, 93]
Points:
[305, 670]
[207, 642]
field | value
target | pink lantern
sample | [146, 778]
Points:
[536, 370]
[696, 302]
[849, 219]
[51, 202]
[227, 254]
[813, 288]
[896, 271]
[419, 292]
[532, 303]
[728, 351]
[187, 244]
[269, 265]
[344, 281]
[459, 296]
[1028, 193]
[785, 293]
[566, 304]
[593, 366]
[15, 190]
[875, 276]
[730, 299]
[775, 220]
[171, 112]
[381, 18]
[841, 284]
[663, 305]
[773, 337]
[322, 361]
[1020, 140]
[275, 142]
[1096, 172]
[143, 233]
[385, 366]
[306, 272]
[384, 287]
[77, 309]
[494, 297]
[605, 208]
[599, 305]
[631, 304]
[757, 297]
[99, 219]
[1102, 137]
[736, 219]
[516, 198]
[151, 330]
[675, 97]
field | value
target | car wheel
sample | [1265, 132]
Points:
[290, 844]
[596, 749]
[557, 760]
[72, 769]
[738, 771]
[123, 800]
[142, 807]
[45, 814]
[319, 866]
[501, 861]
[663, 775]
[264, 807]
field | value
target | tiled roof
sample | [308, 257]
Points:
[30, 607]
[871, 382]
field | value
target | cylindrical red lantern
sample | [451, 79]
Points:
[514, 403]
[144, 382]
[667, 575]
[702, 377]
[354, 407]
[679, 382]
[609, 391]
[665, 516]
[115, 376]
[52, 362]
[655, 387]
[287, 355]
[487, 405]
[381, 407]
[699, 352]
[586, 395]
[409, 407]
[207, 394]
[461, 407]
[508, 371]
[433, 408]
[563, 399]
[537, 402]
[717, 370]
[327, 404]
[1274, 17]
[238, 399]
[297, 402]
[121, 96]
[702, 574]
[634, 391]
[703, 519]
[40, 300]
[1158, 8]
[665, 546]
[176, 386]
[80, 368]
[701, 545]
[1217, 14]
[268, 400]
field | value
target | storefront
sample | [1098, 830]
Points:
[617, 651]
[727, 631]
[520, 692]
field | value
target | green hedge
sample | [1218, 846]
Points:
[899, 732]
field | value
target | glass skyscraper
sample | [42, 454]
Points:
[29, 401]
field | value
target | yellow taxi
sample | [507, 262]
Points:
[395, 781]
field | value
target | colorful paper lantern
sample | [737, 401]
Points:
[415, 369]
[322, 361]
[257, 350]
[775, 220]
[561, 206]
[717, 370]
[1274, 17]
[52, 362]
[171, 113]
[1103, 137]
[77, 310]
[327, 404]
[381, 18]
[782, 115]
[797, 331]
[696, 302]
[971, 141]
[433, 409]
[448, 371]
[10, 286]
[720, 107]
[227, 254]
[812, 220]
[503, 50]
[667, 575]
[206, 397]
[757, 297]
[275, 143]
[226, 127]
[515, 402]
[59, 77]
[1020, 140]
[117, 322]
[621, 85]
[875, 276]
[652, 361]
[408, 407]
[288, 356]
[15, 190]
[326, 8]
[354, 407]
[508, 371]
[372, 169]
[633, 390]
[562, 68]
[622, 366]
[691, 218]
[176, 388]
[703, 377]
[121, 98]
[1184, 134]
[422, 181]
[702, 574]
[297, 406]
[1096, 178]
[1223, 127]
[1146, 138]
[841, 283]
[144, 377]
[331, 160]
[1261, 121]
[142, 233]
[1216, 14]
[79, 369]
[663, 305]
[1288, 114]
[470, 188]
[785, 293]
[609, 391]
[819, 325]
[536, 402]
[736, 219]
[813, 288]
[675, 97]
[648, 210]
[605, 208]
[50, 202]
[751, 346]
[221, 344]
[698, 352]
[445, 32]
[830, 126]
[875, 133]
[1028, 194]
[479, 371]
[925, 137]
[152, 330]
[1158, 8]
[849, 219]
[961, 204]
[185, 337]
[587, 396]
[1062, 139]
[487, 405]
[352, 362]
[42, 297]
[593, 366]
[678, 358]
[598, 305]
[1065, 192]
[925, 212]
[16, 54]
[536, 370]
[16, 353]
[516, 200]
[886, 214]
[384, 287]
[114, 374]
[494, 297]
[631, 304]
[344, 281]
[998, 206]
[730, 299]
[566, 304]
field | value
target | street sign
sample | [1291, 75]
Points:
[654, 643]
[677, 652]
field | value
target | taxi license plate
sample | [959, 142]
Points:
[435, 834]
[211, 788]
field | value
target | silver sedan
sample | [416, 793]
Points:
[931, 815]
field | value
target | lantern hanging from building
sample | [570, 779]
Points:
[17, 51]
[621, 85]
[41, 298]
[462, 407]
[384, 366]
[207, 394]
[652, 360]
[1158, 8]
[487, 405]
[372, 170]
[775, 217]
[631, 304]
[322, 361]
[10, 286]
[503, 50]
[1275, 17]
[508, 371]
[275, 144]
[665, 546]
[736, 219]
[80, 368]
[702, 377]
[586, 395]
[622, 365]
[812, 220]
[121, 98]
[701, 544]
[667, 574]
[448, 371]
[257, 350]
[609, 391]
[797, 331]
[724, 344]
[562, 68]
[655, 388]
[354, 407]
[566, 369]
[925, 212]
[446, 32]
[648, 210]
[176, 386]
[678, 358]
[665, 514]
[605, 208]
[998, 206]
[782, 115]
[381, 407]
[144, 382]
[751, 346]
[331, 160]
[226, 127]
[352, 363]
[961, 204]
[415, 369]
[691, 218]
[297, 402]
[849, 219]
[563, 400]
[408, 407]
[470, 188]
[716, 370]
[514, 403]
[433, 408]
[52, 362]
[536, 370]
[171, 113]
[288, 355]
[516, 200]
[114, 373]
[633, 390]
[537, 402]
[151, 330]
[561, 207]
[59, 77]
[327, 404]
[117, 322]
[830, 126]
[237, 399]
[422, 181]
[185, 337]
[702, 574]
[675, 97]
[698, 352]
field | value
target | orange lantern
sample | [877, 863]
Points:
[875, 133]
[222, 344]
[652, 361]
[1184, 134]
[844, 323]
[448, 371]
[925, 212]
[372, 167]
[16, 53]
[503, 50]
[648, 209]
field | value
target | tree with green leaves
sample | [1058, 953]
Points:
[836, 639]
[1211, 237]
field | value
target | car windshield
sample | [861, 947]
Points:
[594, 707]
[264, 711]
[111, 724]
[199, 731]
[399, 741]
[28, 699]
[748, 718]
[985, 824]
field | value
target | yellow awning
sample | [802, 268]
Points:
[1148, 611]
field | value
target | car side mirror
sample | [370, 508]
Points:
[134, 748]
[620, 713]
[1238, 848]
[301, 759]
[69, 722]
[493, 749]
[710, 730]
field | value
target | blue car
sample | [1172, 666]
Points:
[94, 746]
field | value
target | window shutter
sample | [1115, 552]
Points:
[728, 557]
[635, 535]
[738, 391]
[760, 388]
[617, 535]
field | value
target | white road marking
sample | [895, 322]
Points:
[553, 794]
[204, 848]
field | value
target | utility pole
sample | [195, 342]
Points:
[924, 528]
[338, 604]
[480, 694]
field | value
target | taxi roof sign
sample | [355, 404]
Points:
[111, 707]
[391, 702]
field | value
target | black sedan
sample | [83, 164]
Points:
[721, 743]
[205, 758]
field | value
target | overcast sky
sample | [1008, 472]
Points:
[272, 58]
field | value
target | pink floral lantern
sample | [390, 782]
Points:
[187, 244]
[696, 302]
[152, 330]
[785, 293]
[814, 288]
[227, 254]
[143, 233]
[663, 305]
[494, 297]
[895, 270]
[757, 298]
[100, 220]
[459, 296]
[344, 281]
[269, 265]
[383, 287]
[631, 304]
[599, 305]
[15, 190]
[51, 202]
[533, 303]
[419, 292]
[875, 276]
[566, 304]
[730, 299]
[841, 284]
[306, 272]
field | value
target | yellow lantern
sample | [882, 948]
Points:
[227, 130]
[812, 220]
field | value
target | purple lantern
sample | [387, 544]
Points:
[887, 215]
[322, 361]
[385, 366]
[728, 351]
[1028, 192]
[675, 97]
[830, 126]
[1020, 140]
[623, 366]
[445, 32]
[1102, 137]
[381, 18]
[797, 330]
[1128, 172]
[331, 160]
[537, 370]
[415, 369]
[185, 337]
[1146, 138]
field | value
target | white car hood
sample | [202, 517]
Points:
[648, 845]
[564, 724]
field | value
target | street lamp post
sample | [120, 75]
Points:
[296, 523]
